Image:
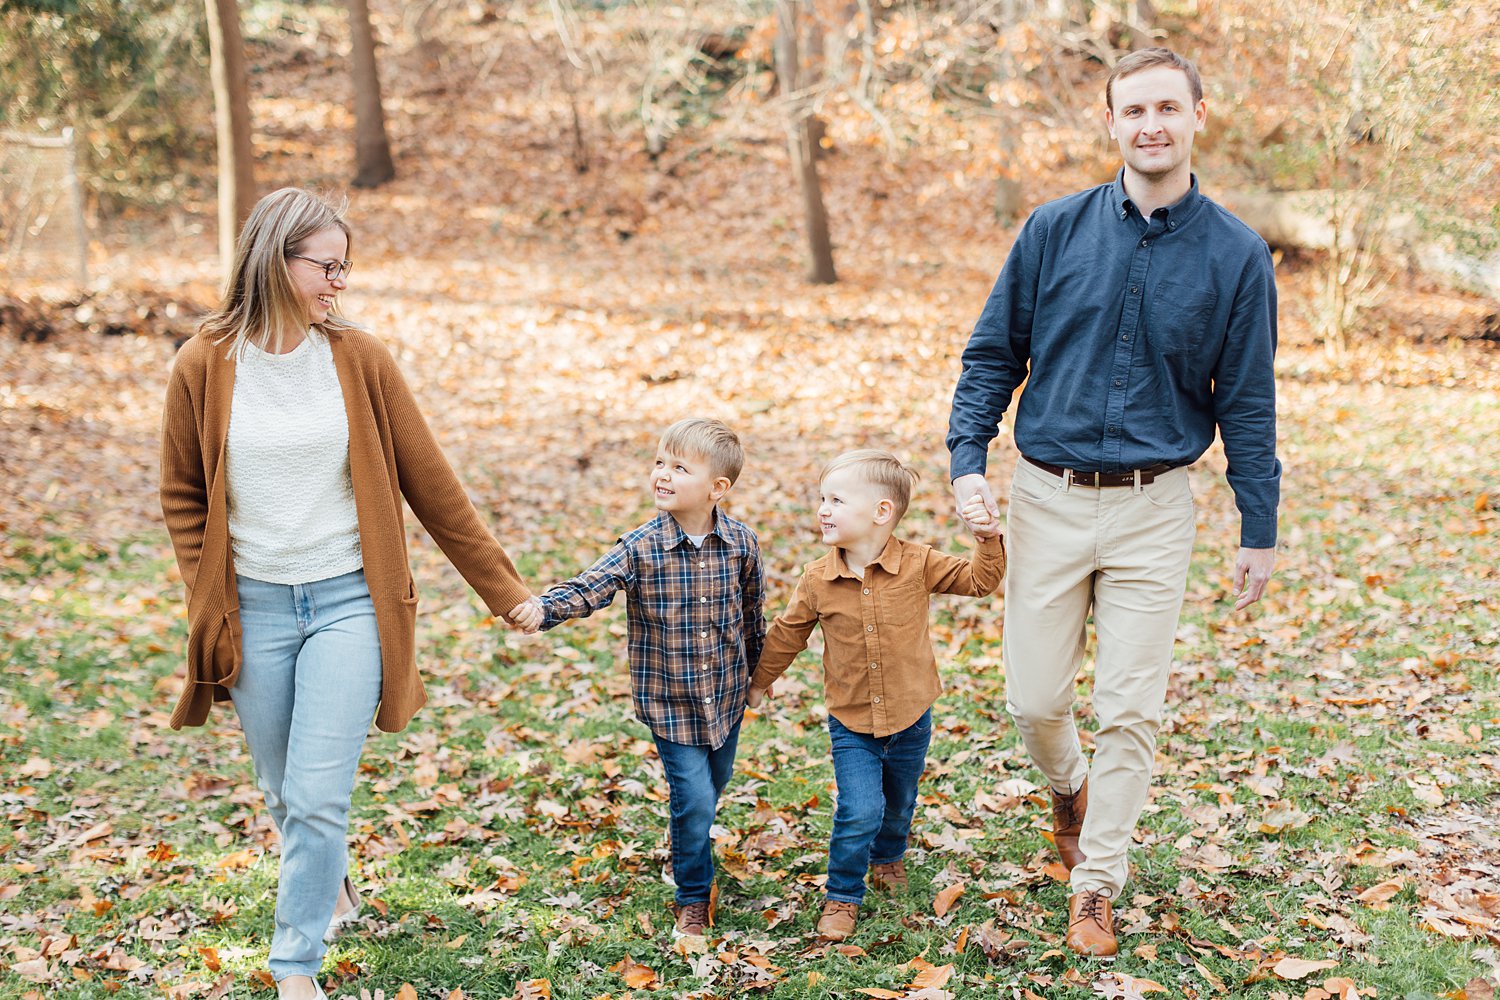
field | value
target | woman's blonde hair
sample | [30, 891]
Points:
[880, 469]
[260, 303]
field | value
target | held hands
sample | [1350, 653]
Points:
[756, 696]
[527, 616]
[976, 513]
[966, 491]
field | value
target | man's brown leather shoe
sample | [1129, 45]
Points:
[1091, 924]
[838, 920]
[1067, 823]
[890, 876]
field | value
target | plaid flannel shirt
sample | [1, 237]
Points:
[695, 622]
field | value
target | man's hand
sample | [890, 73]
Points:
[755, 696]
[976, 513]
[1252, 571]
[966, 488]
[527, 616]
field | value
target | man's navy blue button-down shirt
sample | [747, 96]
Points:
[1136, 339]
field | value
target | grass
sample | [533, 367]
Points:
[516, 831]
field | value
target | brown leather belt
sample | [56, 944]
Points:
[1097, 479]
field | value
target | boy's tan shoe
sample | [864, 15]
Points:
[838, 920]
[1067, 823]
[889, 876]
[692, 920]
[1091, 924]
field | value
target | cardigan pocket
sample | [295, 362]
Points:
[221, 657]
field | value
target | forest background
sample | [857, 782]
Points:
[604, 216]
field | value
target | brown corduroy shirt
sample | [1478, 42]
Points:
[879, 672]
[392, 454]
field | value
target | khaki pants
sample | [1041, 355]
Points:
[1122, 552]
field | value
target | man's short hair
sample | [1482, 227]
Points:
[709, 440]
[880, 469]
[1146, 59]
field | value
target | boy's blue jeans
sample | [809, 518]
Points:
[877, 793]
[696, 775]
[305, 697]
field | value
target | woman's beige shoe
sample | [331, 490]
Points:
[342, 920]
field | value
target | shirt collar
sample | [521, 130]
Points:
[672, 534]
[1179, 212]
[888, 560]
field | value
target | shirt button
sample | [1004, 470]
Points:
[877, 699]
[1125, 339]
[869, 628]
[1135, 290]
[1171, 225]
[1145, 243]
[1111, 428]
[705, 666]
[703, 635]
[1119, 382]
[874, 666]
[703, 600]
[867, 590]
[708, 699]
[702, 564]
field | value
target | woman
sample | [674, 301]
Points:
[288, 442]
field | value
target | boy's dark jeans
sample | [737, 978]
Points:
[695, 777]
[877, 792]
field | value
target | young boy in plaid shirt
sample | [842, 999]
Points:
[693, 591]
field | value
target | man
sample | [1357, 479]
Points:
[1142, 317]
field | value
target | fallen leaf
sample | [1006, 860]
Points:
[636, 976]
[1381, 892]
[945, 899]
[932, 977]
[1296, 968]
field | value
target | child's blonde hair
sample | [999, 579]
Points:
[880, 469]
[709, 440]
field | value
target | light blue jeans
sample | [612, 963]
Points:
[306, 695]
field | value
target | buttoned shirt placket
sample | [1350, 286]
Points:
[701, 680]
[868, 604]
[1128, 341]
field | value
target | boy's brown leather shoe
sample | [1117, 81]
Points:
[692, 920]
[890, 876]
[838, 920]
[1091, 924]
[1067, 823]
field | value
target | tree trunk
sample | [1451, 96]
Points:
[231, 124]
[802, 146]
[372, 150]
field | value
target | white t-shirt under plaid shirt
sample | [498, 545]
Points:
[695, 622]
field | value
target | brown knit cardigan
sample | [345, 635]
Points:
[392, 454]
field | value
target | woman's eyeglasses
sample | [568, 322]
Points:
[333, 270]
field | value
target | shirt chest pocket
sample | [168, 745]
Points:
[1178, 317]
[903, 604]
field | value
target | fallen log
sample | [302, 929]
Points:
[1304, 220]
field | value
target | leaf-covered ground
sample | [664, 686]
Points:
[1324, 817]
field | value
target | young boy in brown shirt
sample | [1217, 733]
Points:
[870, 593]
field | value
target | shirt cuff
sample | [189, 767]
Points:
[550, 616]
[967, 459]
[1258, 532]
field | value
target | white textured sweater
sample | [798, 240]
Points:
[291, 502]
